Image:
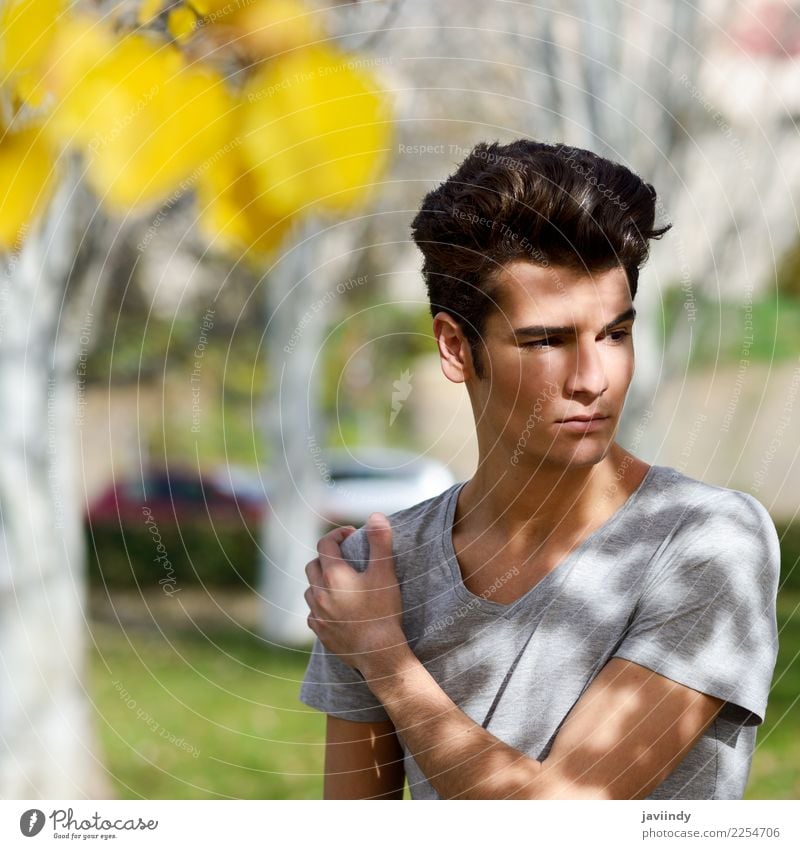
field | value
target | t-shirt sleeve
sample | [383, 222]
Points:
[329, 684]
[706, 618]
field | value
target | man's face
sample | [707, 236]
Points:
[560, 347]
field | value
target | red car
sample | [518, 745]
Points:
[176, 496]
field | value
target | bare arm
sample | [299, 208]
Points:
[626, 734]
[363, 760]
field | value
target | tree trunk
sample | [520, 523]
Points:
[301, 292]
[46, 742]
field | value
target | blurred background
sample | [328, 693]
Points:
[215, 341]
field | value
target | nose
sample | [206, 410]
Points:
[587, 375]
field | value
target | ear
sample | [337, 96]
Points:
[454, 350]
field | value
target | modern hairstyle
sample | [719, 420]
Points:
[547, 204]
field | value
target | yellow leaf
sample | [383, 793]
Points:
[292, 16]
[28, 88]
[26, 182]
[80, 48]
[180, 23]
[271, 27]
[148, 10]
[27, 30]
[205, 6]
[145, 120]
[232, 212]
[316, 131]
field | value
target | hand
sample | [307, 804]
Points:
[357, 615]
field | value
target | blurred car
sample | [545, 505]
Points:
[352, 485]
[382, 480]
[178, 495]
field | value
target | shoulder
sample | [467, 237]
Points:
[715, 520]
[716, 504]
[412, 527]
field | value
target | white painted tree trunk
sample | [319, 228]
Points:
[301, 292]
[45, 739]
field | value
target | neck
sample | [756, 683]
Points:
[528, 505]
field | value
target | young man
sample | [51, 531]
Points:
[570, 623]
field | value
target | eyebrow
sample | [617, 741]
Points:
[539, 330]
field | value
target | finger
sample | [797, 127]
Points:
[328, 548]
[314, 573]
[379, 534]
[339, 535]
[313, 602]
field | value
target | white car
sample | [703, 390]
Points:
[382, 480]
[354, 484]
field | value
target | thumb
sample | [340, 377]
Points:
[379, 535]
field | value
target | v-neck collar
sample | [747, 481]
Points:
[489, 606]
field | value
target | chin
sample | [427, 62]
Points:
[564, 458]
[585, 453]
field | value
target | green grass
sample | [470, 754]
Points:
[776, 764]
[232, 699]
[211, 715]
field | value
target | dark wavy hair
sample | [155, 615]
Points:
[547, 204]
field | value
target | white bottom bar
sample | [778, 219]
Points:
[395, 825]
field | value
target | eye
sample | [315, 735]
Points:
[547, 342]
[618, 335]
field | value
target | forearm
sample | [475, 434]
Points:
[363, 760]
[459, 758]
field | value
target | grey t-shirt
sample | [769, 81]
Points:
[682, 579]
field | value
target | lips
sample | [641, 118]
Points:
[583, 424]
[595, 417]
